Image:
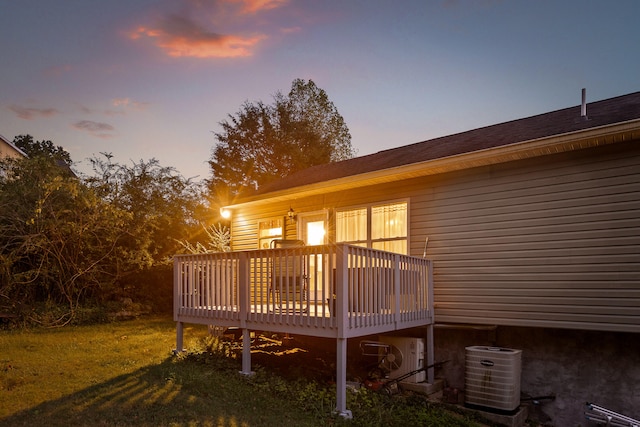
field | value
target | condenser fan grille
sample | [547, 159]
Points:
[408, 356]
[393, 359]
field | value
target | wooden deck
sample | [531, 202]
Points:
[334, 291]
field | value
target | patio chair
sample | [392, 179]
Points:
[288, 276]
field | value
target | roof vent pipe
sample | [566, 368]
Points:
[583, 109]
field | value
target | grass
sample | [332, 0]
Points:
[123, 374]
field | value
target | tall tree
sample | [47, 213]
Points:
[160, 203]
[261, 142]
[44, 148]
[162, 210]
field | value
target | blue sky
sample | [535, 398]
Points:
[153, 78]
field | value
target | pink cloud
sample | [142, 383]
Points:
[128, 103]
[255, 6]
[29, 113]
[290, 30]
[58, 70]
[180, 36]
[117, 102]
[97, 129]
[194, 31]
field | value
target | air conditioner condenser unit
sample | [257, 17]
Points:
[492, 378]
[408, 356]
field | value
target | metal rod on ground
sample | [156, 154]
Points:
[605, 416]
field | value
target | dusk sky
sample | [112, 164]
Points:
[148, 79]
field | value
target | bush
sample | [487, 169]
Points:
[75, 246]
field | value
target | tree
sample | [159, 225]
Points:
[315, 123]
[68, 241]
[161, 208]
[42, 148]
[160, 201]
[261, 143]
[57, 239]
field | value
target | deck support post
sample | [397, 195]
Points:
[342, 295]
[179, 338]
[177, 276]
[246, 352]
[429, 338]
[341, 379]
[243, 295]
[430, 354]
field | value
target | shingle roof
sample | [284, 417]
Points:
[600, 113]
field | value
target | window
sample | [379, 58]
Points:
[382, 227]
[269, 231]
[351, 226]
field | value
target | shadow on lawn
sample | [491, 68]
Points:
[175, 392]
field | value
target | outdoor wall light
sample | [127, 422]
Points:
[225, 213]
[292, 214]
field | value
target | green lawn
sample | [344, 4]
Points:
[123, 374]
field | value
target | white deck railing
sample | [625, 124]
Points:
[330, 291]
[338, 291]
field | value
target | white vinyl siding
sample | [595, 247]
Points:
[539, 243]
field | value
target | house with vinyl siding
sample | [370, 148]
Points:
[8, 149]
[533, 228]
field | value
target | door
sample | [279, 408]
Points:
[312, 228]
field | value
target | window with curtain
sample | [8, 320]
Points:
[382, 227]
[351, 226]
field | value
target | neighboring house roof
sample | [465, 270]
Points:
[9, 149]
[505, 139]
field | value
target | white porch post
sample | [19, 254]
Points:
[430, 357]
[246, 352]
[342, 302]
[177, 276]
[243, 295]
[396, 291]
[429, 337]
[179, 338]
[341, 379]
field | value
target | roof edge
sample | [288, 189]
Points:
[12, 145]
[570, 141]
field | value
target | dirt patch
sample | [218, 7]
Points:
[300, 357]
[292, 359]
